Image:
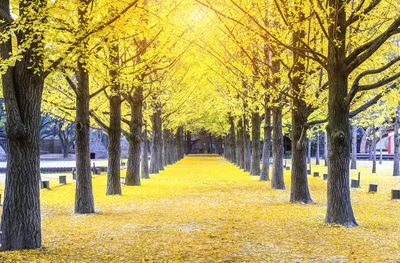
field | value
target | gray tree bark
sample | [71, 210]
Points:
[22, 91]
[166, 156]
[156, 145]
[299, 191]
[246, 144]
[339, 209]
[188, 142]
[267, 144]
[114, 148]
[180, 143]
[277, 181]
[255, 134]
[145, 156]
[114, 130]
[172, 147]
[240, 144]
[232, 141]
[84, 203]
[353, 164]
[135, 128]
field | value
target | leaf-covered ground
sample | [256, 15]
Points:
[204, 209]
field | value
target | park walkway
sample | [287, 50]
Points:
[204, 209]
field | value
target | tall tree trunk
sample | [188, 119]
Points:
[277, 181]
[161, 157]
[370, 145]
[22, 91]
[267, 144]
[218, 145]
[339, 210]
[226, 147]
[241, 144]
[299, 191]
[353, 163]
[145, 156]
[65, 149]
[172, 147]
[396, 144]
[182, 138]
[84, 203]
[246, 144]
[155, 145]
[135, 129]
[179, 141]
[255, 134]
[188, 142]
[166, 145]
[238, 148]
[114, 148]
[232, 140]
[317, 150]
[373, 150]
[309, 151]
[114, 130]
[326, 148]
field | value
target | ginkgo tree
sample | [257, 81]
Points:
[25, 66]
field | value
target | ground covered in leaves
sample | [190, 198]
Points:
[204, 209]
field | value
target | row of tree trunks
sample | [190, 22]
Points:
[236, 152]
[317, 149]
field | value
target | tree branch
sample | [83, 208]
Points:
[356, 87]
[362, 53]
[74, 45]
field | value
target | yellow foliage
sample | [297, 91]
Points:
[204, 209]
